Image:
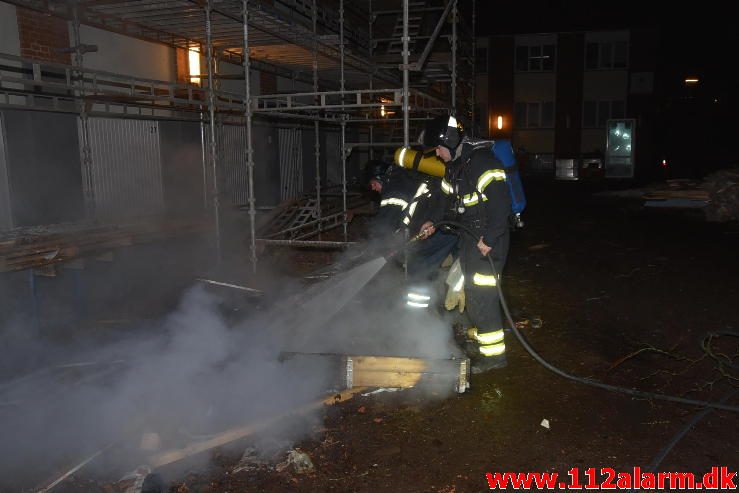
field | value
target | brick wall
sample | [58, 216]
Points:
[42, 35]
[267, 83]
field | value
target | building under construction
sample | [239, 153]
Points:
[188, 300]
[152, 99]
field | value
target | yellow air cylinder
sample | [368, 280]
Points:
[425, 163]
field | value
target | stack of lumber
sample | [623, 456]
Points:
[40, 246]
[679, 189]
[723, 189]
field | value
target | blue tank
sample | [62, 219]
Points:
[503, 150]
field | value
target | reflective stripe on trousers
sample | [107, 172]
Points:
[416, 299]
[480, 279]
[491, 343]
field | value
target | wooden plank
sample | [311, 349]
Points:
[389, 363]
[171, 456]
[389, 379]
[677, 194]
[402, 372]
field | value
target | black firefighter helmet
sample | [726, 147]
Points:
[377, 170]
[444, 131]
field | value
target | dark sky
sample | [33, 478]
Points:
[698, 37]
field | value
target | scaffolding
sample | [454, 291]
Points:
[371, 65]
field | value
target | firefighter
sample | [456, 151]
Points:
[474, 193]
[405, 196]
[396, 190]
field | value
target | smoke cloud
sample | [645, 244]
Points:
[200, 370]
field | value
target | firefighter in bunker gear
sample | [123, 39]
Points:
[405, 195]
[474, 193]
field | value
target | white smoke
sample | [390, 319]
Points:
[194, 373]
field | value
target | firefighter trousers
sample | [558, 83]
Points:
[423, 265]
[481, 293]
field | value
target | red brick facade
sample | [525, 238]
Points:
[267, 83]
[41, 36]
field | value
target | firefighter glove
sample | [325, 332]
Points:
[454, 299]
[455, 288]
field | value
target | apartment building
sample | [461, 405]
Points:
[556, 95]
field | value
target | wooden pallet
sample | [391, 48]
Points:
[395, 371]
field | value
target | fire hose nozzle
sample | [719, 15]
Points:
[422, 234]
[411, 240]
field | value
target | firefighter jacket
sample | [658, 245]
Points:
[474, 192]
[405, 200]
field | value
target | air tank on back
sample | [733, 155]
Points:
[427, 162]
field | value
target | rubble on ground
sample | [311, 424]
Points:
[723, 190]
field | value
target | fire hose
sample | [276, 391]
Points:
[587, 381]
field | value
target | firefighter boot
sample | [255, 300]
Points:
[482, 364]
[490, 352]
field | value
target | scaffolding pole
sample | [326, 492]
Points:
[406, 110]
[316, 127]
[89, 189]
[249, 143]
[212, 116]
[343, 117]
[204, 157]
[371, 136]
[455, 18]
[406, 54]
[474, 68]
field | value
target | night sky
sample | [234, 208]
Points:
[695, 124]
[695, 41]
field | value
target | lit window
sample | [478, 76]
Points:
[194, 63]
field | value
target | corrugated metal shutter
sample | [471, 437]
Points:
[232, 146]
[6, 217]
[291, 163]
[233, 180]
[126, 167]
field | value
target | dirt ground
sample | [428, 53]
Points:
[626, 296]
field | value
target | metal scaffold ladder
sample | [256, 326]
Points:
[307, 212]
[414, 28]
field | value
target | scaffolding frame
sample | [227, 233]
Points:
[306, 35]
